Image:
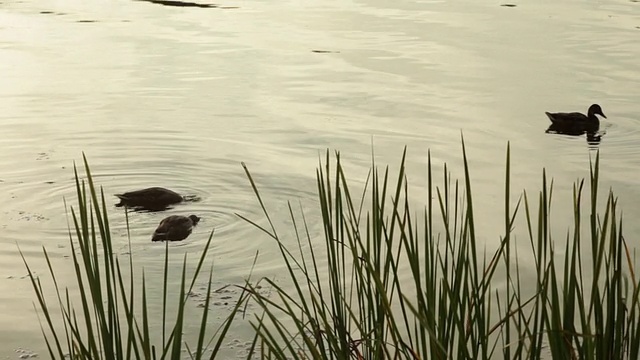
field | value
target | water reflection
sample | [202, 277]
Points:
[593, 136]
[179, 98]
[180, 3]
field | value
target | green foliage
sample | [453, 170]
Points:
[107, 325]
[395, 288]
[386, 282]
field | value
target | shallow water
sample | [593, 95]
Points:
[178, 97]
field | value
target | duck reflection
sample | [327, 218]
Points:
[593, 135]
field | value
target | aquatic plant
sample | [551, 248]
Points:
[384, 281]
[394, 287]
[113, 321]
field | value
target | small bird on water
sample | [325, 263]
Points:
[153, 198]
[175, 228]
[576, 120]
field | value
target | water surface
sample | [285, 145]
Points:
[178, 97]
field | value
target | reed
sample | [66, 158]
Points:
[113, 320]
[394, 287]
[384, 281]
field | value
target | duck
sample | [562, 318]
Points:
[576, 121]
[153, 198]
[175, 228]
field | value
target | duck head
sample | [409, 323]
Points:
[594, 110]
[194, 219]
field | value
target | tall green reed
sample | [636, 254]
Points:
[108, 324]
[401, 285]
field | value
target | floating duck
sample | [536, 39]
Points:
[577, 122]
[175, 228]
[153, 198]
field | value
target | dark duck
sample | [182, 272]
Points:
[175, 228]
[576, 123]
[152, 199]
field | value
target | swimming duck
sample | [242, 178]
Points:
[577, 121]
[175, 228]
[153, 198]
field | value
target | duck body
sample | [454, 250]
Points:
[153, 198]
[175, 228]
[577, 122]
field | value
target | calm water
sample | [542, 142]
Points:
[178, 97]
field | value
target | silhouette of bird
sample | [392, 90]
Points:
[175, 228]
[153, 198]
[576, 122]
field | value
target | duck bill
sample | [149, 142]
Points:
[603, 115]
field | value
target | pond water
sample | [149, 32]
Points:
[178, 97]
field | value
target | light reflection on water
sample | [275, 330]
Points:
[159, 96]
